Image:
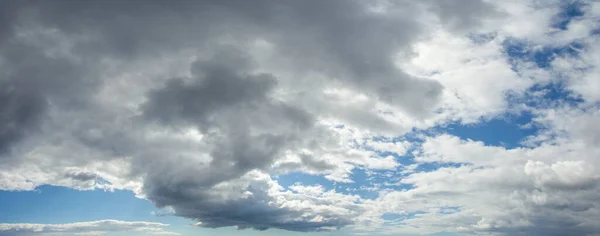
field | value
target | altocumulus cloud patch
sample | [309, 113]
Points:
[309, 115]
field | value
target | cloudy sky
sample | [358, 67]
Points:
[299, 117]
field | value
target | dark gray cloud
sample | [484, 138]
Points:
[244, 206]
[230, 104]
[310, 161]
[220, 83]
[20, 111]
[7, 18]
[463, 15]
[357, 47]
[350, 43]
[37, 76]
[248, 129]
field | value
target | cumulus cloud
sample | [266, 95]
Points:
[202, 107]
[546, 189]
[84, 228]
[183, 138]
[505, 191]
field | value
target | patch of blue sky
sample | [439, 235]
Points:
[365, 183]
[368, 183]
[449, 210]
[397, 218]
[507, 131]
[432, 166]
[518, 50]
[55, 205]
[547, 94]
[362, 185]
[570, 9]
[550, 95]
[294, 178]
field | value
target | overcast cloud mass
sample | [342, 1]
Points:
[204, 107]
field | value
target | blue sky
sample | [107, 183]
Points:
[396, 119]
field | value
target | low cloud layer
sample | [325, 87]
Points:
[84, 228]
[206, 107]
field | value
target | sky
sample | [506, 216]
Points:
[285, 117]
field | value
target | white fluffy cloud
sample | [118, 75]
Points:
[550, 188]
[475, 73]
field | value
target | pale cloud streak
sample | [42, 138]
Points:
[85, 228]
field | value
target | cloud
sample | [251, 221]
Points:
[88, 228]
[21, 111]
[477, 76]
[202, 107]
[547, 188]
